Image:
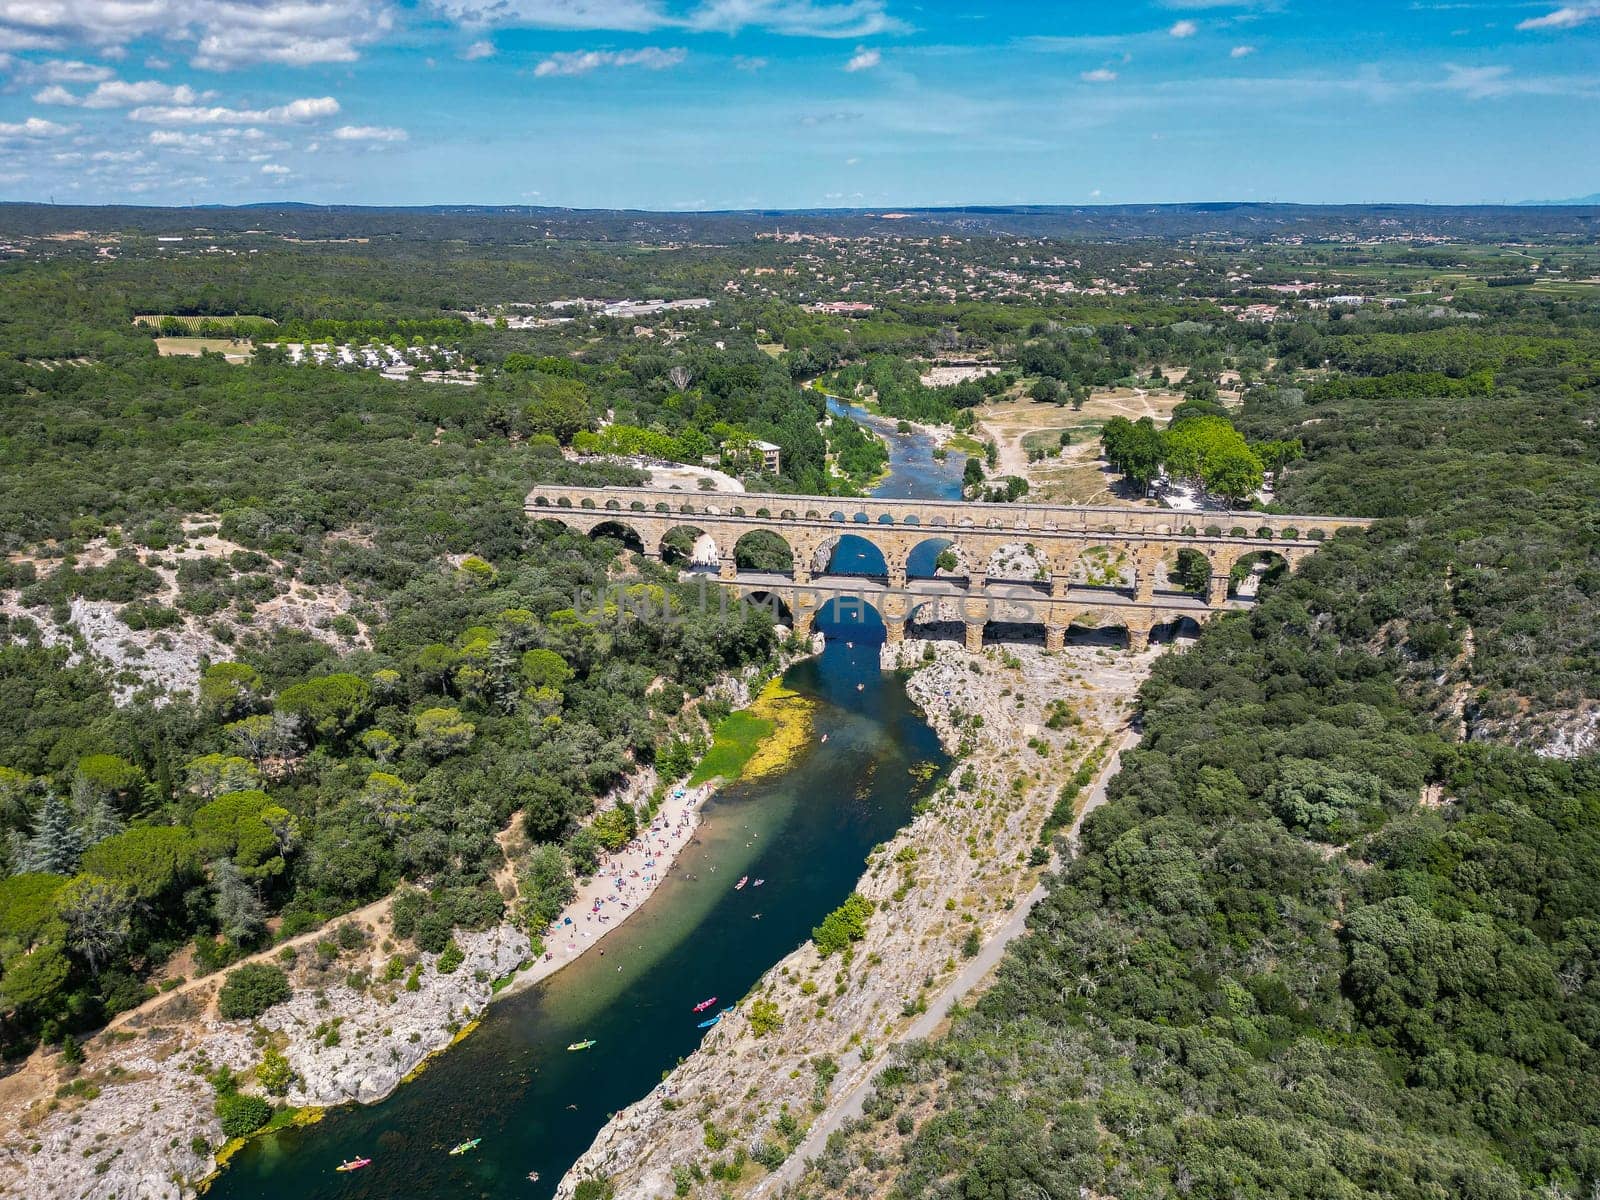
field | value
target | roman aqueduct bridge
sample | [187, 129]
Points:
[1023, 563]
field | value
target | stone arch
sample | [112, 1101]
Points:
[1098, 627]
[636, 506]
[787, 514]
[1254, 570]
[836, 515]
[541, 501]
[860, 518]
[921, 559]
[885, 519]
[1181, 568]
[1172, 630]
[621, 531]
[689, 547]
[851, 554]
[586, 502]
[850, 619]
[937, 618]
[911, 519]
[782, 614]
[1104, 565]
[614, 505]
[1018, 560]
[764, 550]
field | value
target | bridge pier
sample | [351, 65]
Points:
[727, 568]
[1055, 637]
[894, 630]
[897, 577]
[1059, 583]
[1138, 639]
[1217, 591]
[975, 635]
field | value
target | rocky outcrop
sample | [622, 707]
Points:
[139, 1121]
[1021, 721]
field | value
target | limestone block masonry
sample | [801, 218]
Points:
[1068, 554]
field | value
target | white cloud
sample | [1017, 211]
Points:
[1099, 75]
[480, 49]
[296, 111]
[1567, 17]
[863, 59]
[1241, 52]
[1184, 29]
[32, 128]
[795, 18]
[60, 70]
[275, 169]
[369, 133]
[745, 62]
[223, 33]
[119, 93]
[581, 62]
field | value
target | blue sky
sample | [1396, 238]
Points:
[692, 104]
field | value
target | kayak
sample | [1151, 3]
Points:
[465, 1146]
[710, 1023]
[583, 1045]
[355, 1164]
[743, 879]
[758, 883]
[705, 1004]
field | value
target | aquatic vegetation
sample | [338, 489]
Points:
[760, 740]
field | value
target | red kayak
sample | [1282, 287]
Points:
[355, 1164]
[705, 1004]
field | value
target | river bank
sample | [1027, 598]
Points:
[943, 887]
[137, 1121]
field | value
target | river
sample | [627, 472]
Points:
[805, 833]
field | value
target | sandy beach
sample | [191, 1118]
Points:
[619, 887]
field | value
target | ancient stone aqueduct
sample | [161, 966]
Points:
[1026, 563]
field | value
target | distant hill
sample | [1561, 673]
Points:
[502, 224]
[1591, 199]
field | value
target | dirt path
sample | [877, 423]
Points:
[849, 1105]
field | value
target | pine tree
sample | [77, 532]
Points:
[99, 822]
[56, 846]
[238, 908]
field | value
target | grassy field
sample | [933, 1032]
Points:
[233, 349]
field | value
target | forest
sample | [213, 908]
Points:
[1334, 932]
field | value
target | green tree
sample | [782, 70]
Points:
[441, 731]
[546, 887]
[328, 707]
[231, 690]
[252, 989]
[151, 860]
[56, 845]
[252, 830]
